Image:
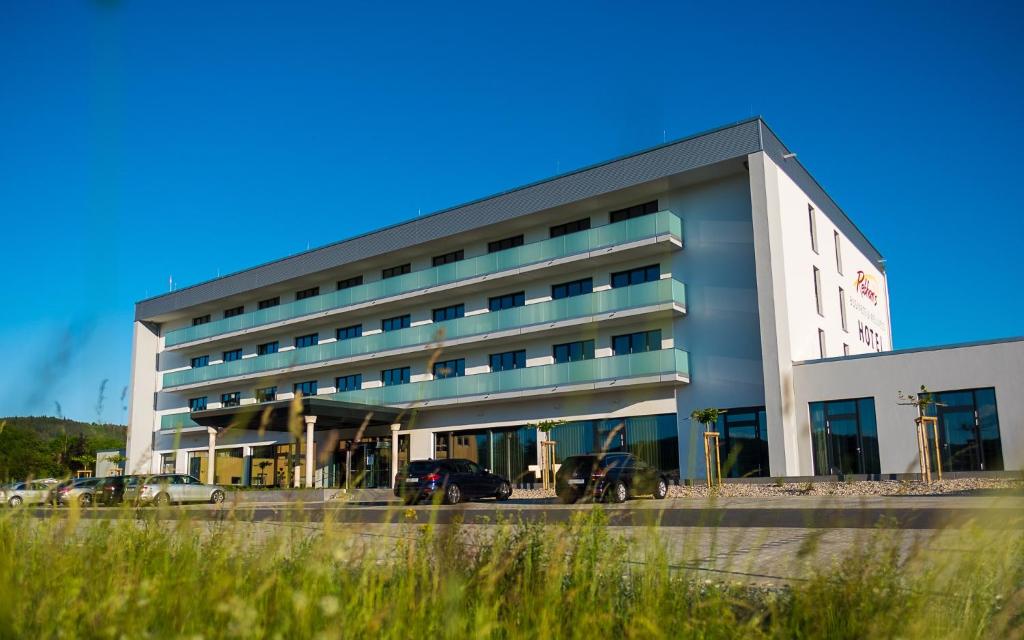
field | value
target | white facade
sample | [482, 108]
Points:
[736, 233]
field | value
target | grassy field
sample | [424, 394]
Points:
[61, 577]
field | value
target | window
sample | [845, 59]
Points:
[821, 342]
[347, 333]
[636, 342]
[266, 394]
[232, 399]
[231, 356]
[570, 289]
[507, 301]
[200, 320]
[812, 220]
[846, 349]
[352, 382]
[348, 283]
[839, 252]
[269, 302]
[844, 435]
[508, 360]
[392, 272]
[307, 293]
[570, 227]
[817, 291]
[842, 308]
[448, 258]
[234, 311]
[653, 438]
[968, 429]
[197, 404]
[505, 243]
[639, 275]
[393, 324]
[635, 211]
[744, 442]
[391, 377]
[305, 388]
[167, 462]
[200, 361]
[573, 351]
[307, 341]
[450, 368]
[449, 313]
[267, 348]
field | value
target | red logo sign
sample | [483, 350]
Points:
[864, 287]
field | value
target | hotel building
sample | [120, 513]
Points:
[712, 271]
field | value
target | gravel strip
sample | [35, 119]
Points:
[961, 486]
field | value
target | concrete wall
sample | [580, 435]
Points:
[996, 364]
[721, 330]
[785, 260]
[141, 411]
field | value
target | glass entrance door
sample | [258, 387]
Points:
[968, 430]
[371, 465]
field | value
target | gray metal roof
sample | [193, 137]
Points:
[701, 150]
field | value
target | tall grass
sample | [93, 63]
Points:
[62, 577]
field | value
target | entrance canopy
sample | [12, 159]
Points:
[348, 417]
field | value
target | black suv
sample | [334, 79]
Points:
[613, 476]
[452, 480]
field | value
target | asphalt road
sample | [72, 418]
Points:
[812, 517]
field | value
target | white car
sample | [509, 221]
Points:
[172, 487]
[17, 494]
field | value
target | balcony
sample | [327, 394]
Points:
[663, 224]
[481, 326]
[664, 366]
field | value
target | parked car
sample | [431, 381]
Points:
[110, 490]
[613, 476]
[80, 489]
[19, 493]
[174, 488]
[451, 480]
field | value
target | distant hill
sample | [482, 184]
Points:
[41, 446]
[49, 427]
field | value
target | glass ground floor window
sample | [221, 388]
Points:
[508, 452]
[654, 439]
[968, 429]
[271, 466]
[845, 437]
[744, 442]
[229, 466]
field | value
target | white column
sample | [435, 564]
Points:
[211, 455]
[394, 450]
[310, 449]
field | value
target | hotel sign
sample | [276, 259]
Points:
[871, 323]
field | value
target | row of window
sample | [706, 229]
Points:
[494, 246]
[567, 352]
[818, 294]
[583, 286]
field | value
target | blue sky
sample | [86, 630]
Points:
[142, 141]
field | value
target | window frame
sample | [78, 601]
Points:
[305, 294]
[268, 303]
[405, 376]
[515, 297]
[505, 244]
[448, 258]
[404, 321]
[633, 211]
[395, 271]
[458, 311]
[314, 340]
[586, 286]
[567, 228]
[586, 351]
[348, 283]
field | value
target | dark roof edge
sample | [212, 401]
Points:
[725, 143]
[773, 146]
[898, 352]
[458, 206]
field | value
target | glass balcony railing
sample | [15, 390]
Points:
[651, 363]
[642, 295]
[654, 225]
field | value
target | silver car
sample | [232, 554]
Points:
[19, 493]
[172, 487]
[79, 490]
